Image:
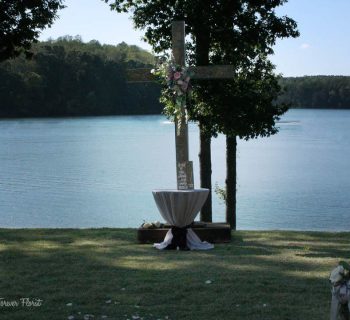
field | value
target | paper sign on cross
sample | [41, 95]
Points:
[184, 167]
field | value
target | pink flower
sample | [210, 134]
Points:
[177, 75]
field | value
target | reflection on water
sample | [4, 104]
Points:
[94, 172]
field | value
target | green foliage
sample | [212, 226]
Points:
[316, 92]
[21, 22]
[67, 77]
[122, 52]
[220, 192]
[243, 106]
[345, 265]
[210, 19]
[240, 33]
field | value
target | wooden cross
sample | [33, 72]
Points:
[184, 167]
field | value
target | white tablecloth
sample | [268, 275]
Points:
[179, 208]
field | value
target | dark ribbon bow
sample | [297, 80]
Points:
[179, 239]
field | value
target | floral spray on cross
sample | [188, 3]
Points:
[176, 89]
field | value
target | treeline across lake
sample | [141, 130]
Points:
[67, 77]
[331, 92]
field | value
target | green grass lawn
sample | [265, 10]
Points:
[104, 272]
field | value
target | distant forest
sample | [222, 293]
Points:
[67, 77]
[325, 92]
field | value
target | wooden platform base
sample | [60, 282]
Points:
[211, 232]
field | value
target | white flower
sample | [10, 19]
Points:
[337, 274]
[156, 224]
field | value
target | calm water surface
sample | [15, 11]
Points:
[99, 172]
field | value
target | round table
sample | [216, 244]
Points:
[179, 208]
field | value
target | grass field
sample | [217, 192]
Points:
[105, 273]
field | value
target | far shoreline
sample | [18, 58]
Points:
[134, 115]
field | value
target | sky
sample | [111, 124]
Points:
[323, 47]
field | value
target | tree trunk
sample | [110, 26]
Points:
[205, 173]
[202, 59]
[231, 180]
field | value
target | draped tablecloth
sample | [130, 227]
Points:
[179, 208]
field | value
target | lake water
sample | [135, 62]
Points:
[99, 172]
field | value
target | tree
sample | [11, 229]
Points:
[21, 22]
[244, 107]
[231, 32]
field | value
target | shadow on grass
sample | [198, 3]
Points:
[104, 272]
[328, 253]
